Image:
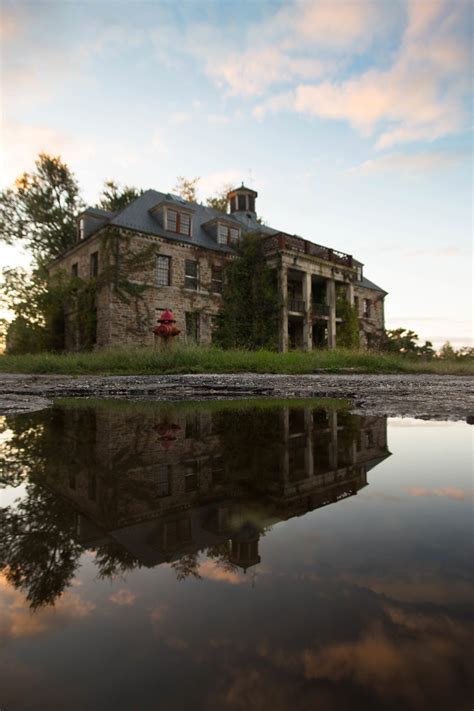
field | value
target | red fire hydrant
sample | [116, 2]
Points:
[166, 328]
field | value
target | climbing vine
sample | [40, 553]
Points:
[348, 330]
[249, 314]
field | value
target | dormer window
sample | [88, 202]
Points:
[177, 221]
[81, 228]
[227, 235]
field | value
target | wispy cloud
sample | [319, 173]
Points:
[410, 163]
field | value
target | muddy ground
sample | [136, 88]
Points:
[439, 397]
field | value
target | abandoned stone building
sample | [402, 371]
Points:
[193, 243]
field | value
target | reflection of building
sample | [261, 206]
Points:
[166, 481]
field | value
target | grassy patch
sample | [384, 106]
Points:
[146, 361]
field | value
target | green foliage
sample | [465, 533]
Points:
[403, 340]
[347, 331]
[447, 352]
[249, 313]
[115, 197]
[40, 209]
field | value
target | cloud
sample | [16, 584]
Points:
[179, 117]
[419, 96]
[23, 142]
[410, 163]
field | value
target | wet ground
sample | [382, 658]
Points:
[241, 555]
[439, 397]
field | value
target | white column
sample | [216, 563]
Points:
[331, 302]
[283, 295]
[308, 313]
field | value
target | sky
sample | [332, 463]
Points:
[352, 120]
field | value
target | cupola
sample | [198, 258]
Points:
[242, 200]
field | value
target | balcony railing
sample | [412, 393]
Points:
[292, 243]
[320, 310]
[296, 305]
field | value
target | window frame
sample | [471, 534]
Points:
[94, 264]
[193, 285]
[192, 337]
[177, 228]
[367, 308]
[229, 241]
[220, 281]
[75, 269]
[157, 270]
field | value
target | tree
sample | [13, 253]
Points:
[115, 198]
[249, 314]
[447, 352]
[348, 335]
[187, 188]
[219, 200]
[40, 209]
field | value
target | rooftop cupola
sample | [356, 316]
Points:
[242, 200]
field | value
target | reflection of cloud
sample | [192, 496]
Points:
[18, 621]
[123, 597]
[400, 667]
[212, 571]
[415, 588]
[450, 492]
[158, 612]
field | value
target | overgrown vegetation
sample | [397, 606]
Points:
[249, 313]
[131, 361]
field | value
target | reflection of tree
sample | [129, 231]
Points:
[220, 554]
[187, 565]
[37, 550]
[113, 560]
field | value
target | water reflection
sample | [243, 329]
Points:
[143, 484]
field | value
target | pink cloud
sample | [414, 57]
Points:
[123, 597]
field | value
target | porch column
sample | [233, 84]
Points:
[309, 457]
[331, 302]
[350, 293]
[308, 313]
[283, 295]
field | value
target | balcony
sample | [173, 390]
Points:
[321, 310]
[296, 306]
[292, 243]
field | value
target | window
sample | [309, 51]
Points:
[94, 264]
[227, 235]
[179, 222]
[75, 269]
[356, 304]
[184, 224]
[163, 270]
[234, 236]
[222, 234]
[191, 274]
[192, 327]
[81, 228]
[242, 201]
[171, 220]
[216, 280]
[359, 273]
[162, 480]
[191, 478]
[367, 307]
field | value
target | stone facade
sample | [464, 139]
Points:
[311, 278]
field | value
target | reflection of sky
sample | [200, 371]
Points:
[361, 604]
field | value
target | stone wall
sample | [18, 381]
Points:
[371, 327]
[122, 319]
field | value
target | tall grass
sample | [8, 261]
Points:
[179, 360]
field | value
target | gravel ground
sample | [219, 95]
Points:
[440, 397]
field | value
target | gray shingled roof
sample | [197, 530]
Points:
[370, 285]
[138, 216]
